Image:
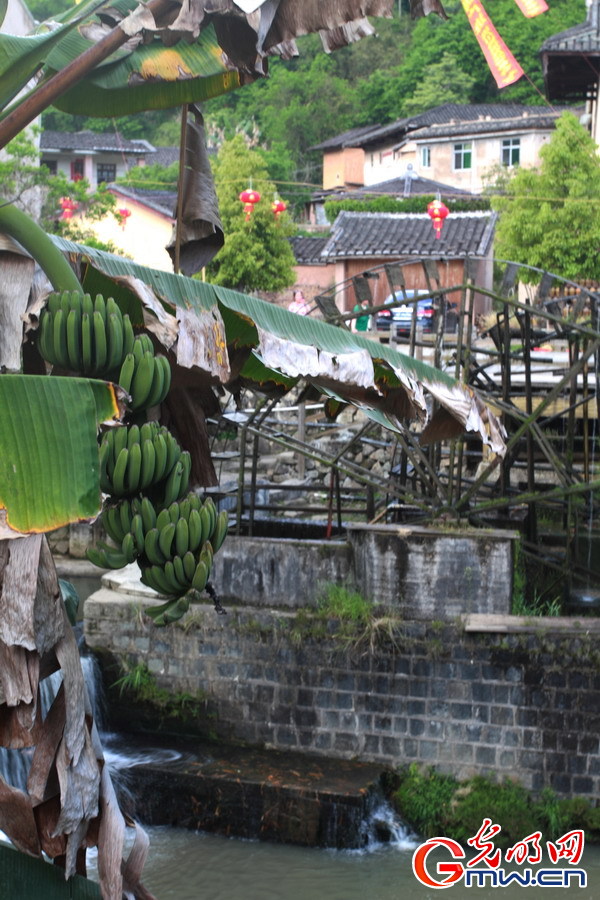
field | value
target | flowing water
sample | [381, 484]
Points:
[184, 865]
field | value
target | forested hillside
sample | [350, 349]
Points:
[408, 67]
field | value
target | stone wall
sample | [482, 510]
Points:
[524, 706]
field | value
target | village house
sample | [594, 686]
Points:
[456, 144]
[98, 157]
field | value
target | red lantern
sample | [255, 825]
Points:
[249, 198]
[438, 212]
[123, 216]
[278, 206]
[68, 207]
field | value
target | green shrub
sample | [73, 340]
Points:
[423, 799]
[506, 804]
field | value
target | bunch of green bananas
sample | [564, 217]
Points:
[134, 459]
[174, 547]
[145, 377]
[88, 336]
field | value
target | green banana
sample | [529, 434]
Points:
[100, 307]
[164, 362]
[165, 540]
[173, 484]
[115, 342]
[206, 555]
[148, 464]
[186, 461]
[173, 509]
[112, 309]
[125, 516]
[168, 612]
[65, 303]
[163, 519]
[106, 557]
[160, 449]
[128, 547]
[87, 306]
[128, 335]
[104, 455]
[182, 537]
[146, 343]
[53, 302]
[180, 575]
[212, 514]
[148, 514]
[148, 431]
[169, 570]
[185, 509]
[220, 532]
[156, 395]
[205, 523]
[189, 565]
[74, 340]
[137, 530]
[158, 573]
[119, 473]
[133, 436]
[45, 337]
[134, 468]
[142, 382]
[121, 437]
[87, 344]
[60, 339]
[138, 350]
[126, 372]
[152, 548]
[195, 501]
[100, 346]
[147, 579]
[195, 530]
[111, 524]
[200, 577]
[173, 452]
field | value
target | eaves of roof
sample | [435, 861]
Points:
[162, 202]
[381, 235]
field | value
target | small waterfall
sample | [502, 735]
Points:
[383, 827]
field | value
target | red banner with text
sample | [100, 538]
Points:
[503, 66]
[531, 8]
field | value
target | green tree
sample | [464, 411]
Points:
[549, 216]
[257, 255]
[444, 82]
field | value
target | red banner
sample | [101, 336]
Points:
[503, 66]
[531, 8]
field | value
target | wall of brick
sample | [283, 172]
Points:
[524, 706]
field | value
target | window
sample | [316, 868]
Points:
[426, 157]
[106, 172]
[51, 165]
[462, 155]
[511, 151]
[77, 169]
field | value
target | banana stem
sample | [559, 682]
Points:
[34, 239]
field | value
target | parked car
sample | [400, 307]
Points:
[399, 319]
[401, 316]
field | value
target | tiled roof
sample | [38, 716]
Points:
[393, 187]
[584, 38]
[392, 235]
[345, 139]
[165, 156]
[538, 117]
[163, 202]
[92, 141]
[307, 250]
[570, 58]
[446, 114]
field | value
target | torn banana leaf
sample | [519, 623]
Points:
[49, 467]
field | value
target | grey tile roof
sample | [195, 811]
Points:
[163, 202]
[393, 235]
[393, 187]
[570, 59]
[345, 139]
[541, 119]
[92, 141]
[447, 113]
[165, 156]
[307, 250]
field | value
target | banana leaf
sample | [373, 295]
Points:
[359, 370]
[22, 57]
[49, 467]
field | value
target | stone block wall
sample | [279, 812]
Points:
[524, 706]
